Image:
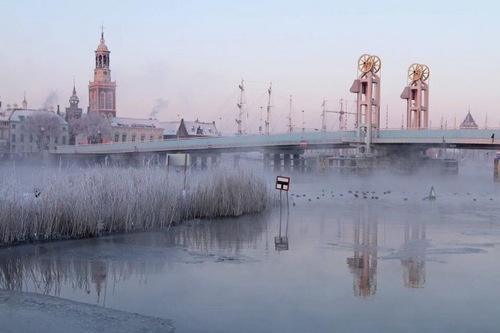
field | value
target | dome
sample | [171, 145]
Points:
[102, 45]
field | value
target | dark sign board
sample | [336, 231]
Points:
[282, 183]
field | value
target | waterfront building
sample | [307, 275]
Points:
[135, 130]
[102, 91]
[4, 130]
[31, 131]
[189, 129]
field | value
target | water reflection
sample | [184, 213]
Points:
[414, 248]
[90, 265]
[363, 263]
[281, 241]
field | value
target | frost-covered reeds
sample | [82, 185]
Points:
[99, 201]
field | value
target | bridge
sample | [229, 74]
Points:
[298, 142]
[367, 140]
[287, 150]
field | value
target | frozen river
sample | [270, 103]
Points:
[364, 254]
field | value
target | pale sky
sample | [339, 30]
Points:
[185, 59]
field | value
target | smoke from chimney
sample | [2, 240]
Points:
[161, 106]
[51, 100]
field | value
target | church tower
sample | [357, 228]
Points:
[102, 91]
[73, 112]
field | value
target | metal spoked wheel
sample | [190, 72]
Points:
[425, 72]
[377, 63]
[415, 72]
[365, 63]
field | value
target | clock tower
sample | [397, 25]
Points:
[102, 91]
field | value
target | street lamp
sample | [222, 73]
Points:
[99, 135]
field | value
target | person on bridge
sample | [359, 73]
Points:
[493, 138]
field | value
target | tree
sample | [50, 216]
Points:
[45, 126]
[94, 126]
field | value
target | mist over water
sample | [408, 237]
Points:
[365, 253]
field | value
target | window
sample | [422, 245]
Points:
[117, 137]
[56, 140]
[109, 101]
[13, 126]
[13, 138]
[133, 137]
[64, 139]
[151, 138]
[124, 137]
[22, 127]
[143, 137]
[22, 138]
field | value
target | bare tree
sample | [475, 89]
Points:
[94, 126]
[45, 126]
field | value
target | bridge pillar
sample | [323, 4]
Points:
[296, 162]
[267, 161]
[417, 95]
[367, 88]
[204, 160]
[496, 169]
[277, 162]
[286, 162]
[236, 161]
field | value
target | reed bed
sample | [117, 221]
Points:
[97, 201]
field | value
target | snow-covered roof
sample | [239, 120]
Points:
[201, 128]
[170, 127]
[134, 122]
[5, 114]
[23, 114]
[468, 122]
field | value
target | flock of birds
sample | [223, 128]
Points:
[372, 195]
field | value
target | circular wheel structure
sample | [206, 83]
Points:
[365, 63]
[415, 72]
[425, 72]
[377, 63]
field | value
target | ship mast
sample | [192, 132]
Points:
[269, 106]
[240, 107]
[290, 127]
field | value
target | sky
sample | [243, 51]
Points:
[185, 59]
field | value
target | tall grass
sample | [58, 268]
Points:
[99, 201]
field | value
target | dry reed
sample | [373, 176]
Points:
[98, 201]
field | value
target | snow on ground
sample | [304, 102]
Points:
[29, 312]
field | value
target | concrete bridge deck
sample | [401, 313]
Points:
[297, 142]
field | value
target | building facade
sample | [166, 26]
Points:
[102, 91]
[135, 130]
[32, 131]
